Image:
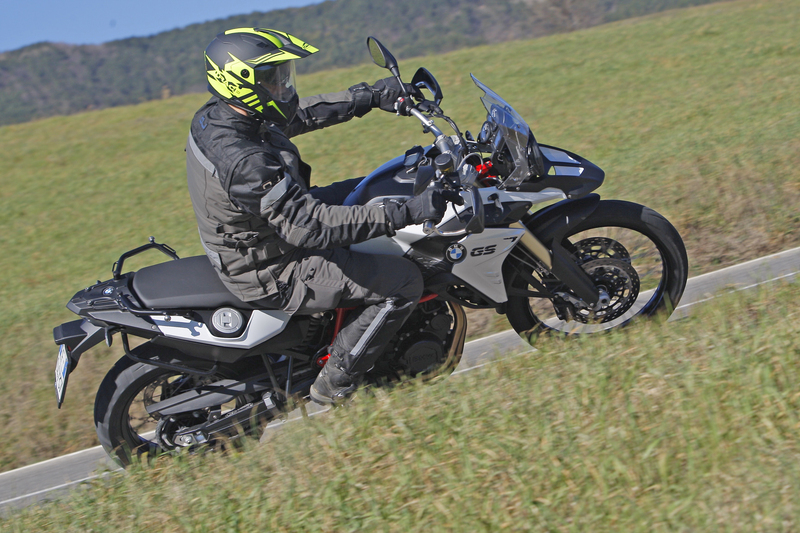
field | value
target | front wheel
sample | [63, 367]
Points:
[632, 254]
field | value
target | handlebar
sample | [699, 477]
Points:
[455, 146]
[474, 225]
[428, 227]
[406, 107]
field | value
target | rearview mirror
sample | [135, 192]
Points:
[423, 79]
[424, 176]
[381, 55]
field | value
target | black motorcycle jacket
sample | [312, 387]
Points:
[252, 198]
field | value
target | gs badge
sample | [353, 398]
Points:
[455, 253]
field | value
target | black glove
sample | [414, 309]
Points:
[385, 93]
[430, 205]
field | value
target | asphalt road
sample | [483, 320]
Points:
[55, 477]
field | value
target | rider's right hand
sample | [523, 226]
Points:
[430, 205]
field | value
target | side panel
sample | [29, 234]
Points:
[482, 266]
[263, 325]
[381, 246]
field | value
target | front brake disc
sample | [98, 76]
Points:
[619, 280]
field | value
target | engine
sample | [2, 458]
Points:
[421, 346]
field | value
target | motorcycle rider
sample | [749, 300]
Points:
[275, 241]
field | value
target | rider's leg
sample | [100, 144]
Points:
[385, 288]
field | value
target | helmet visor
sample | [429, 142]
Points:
[277, 80]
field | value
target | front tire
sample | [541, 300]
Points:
[629, 250]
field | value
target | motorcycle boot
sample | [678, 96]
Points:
[357, 347]
[333, 385]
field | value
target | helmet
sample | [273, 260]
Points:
[253, 69]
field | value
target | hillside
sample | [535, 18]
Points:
[693, 112]
[48, 79]
[661, 427]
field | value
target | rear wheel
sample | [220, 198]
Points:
[124, 426]
[632, 254]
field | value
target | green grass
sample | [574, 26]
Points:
[694, 112]
[685, 426]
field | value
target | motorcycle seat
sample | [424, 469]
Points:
[188, 283]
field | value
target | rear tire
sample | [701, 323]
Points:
[124, 427]
[120, 438]
[615, 237]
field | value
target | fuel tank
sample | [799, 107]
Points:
[395, 178]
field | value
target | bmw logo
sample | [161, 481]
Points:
[108, 291]
[455, 253]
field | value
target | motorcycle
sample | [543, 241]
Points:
[209, 368]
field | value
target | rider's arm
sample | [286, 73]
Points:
[325, 110]
[335, 193]
[260, 187]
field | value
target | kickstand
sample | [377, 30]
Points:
[271, 372]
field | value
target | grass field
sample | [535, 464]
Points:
[695, 113]
[685, 426]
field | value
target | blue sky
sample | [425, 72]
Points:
[24, 22]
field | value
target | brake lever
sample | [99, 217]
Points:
[426, 106]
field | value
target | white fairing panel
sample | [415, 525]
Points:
[406, 237]
[263, 325]
[482, 267]
[557, 156]
[504, 196]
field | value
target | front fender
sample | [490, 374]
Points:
[552, 223]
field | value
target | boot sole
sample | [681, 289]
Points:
[319, 398]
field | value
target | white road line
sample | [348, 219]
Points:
[45, 491]
[46, 461]
[747, 264]
[751, 286]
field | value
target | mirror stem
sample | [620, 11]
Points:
[396, 72]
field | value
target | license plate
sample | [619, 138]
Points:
[62, 371]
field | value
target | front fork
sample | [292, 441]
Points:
[545, 231]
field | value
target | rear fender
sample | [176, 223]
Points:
[78, 336]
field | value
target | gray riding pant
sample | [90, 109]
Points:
[383, 289]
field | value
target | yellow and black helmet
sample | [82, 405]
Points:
[253, 69]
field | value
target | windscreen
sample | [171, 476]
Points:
[512, 129]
